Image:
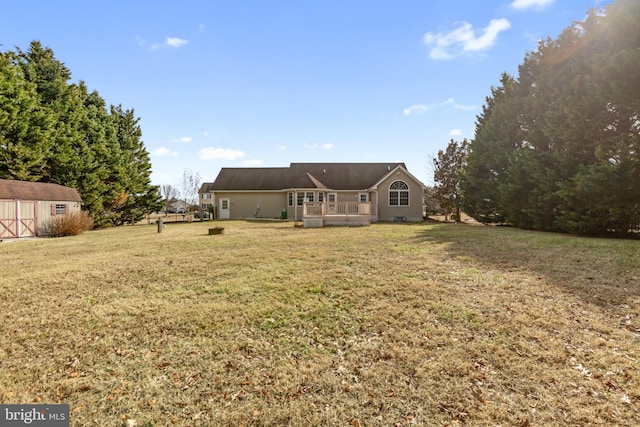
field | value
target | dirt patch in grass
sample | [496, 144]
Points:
[269, 324]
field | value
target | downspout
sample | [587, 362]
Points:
[375, 193]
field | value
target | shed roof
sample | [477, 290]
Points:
[334, 176]
[25, 190]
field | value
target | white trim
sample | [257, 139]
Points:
[246, 191]
[18, 218]
[375, 186]
[220, 209]
[408, 190]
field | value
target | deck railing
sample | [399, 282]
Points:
[340, 213]
[336, 208]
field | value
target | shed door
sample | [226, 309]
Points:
[8, 219]
[225, 208]
[18, 218]
[28, 221]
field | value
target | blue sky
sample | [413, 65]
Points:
[266, 83]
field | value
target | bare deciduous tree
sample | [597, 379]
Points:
[446, 175]
[189, 192]
[169, 194]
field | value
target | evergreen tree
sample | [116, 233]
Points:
[557, 149]
[134, 171]
[54, 131]
[98, 133]
[25, 128]
[496, 137]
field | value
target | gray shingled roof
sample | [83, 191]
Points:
[24, 190]
[334, 176]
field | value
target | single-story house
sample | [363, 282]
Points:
[381, 191]
[27, 207]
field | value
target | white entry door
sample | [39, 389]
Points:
[224, 209]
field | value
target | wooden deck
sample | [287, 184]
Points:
[349, 214]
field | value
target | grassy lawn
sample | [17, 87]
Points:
[268, 324]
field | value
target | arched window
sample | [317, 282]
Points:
[398, 194]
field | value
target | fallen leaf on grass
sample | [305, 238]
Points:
[239, 395]
[583, 370]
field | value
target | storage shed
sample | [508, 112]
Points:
[27, 207]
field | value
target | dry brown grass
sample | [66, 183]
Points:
[269, 324]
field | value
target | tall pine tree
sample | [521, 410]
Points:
[572, 121]
[60, 132]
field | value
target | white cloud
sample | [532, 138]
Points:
[184, 139]
[169, 41]
[423, 108]
[310, 147]
[414, 109]
[164, 152]
[220, 153]
[526, 4]
[327, 146]
[175, 42]
[282, 147]
[455, 132]
[464, 107]
[464, 40]
[252, 162]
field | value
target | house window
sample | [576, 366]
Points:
[320, 196]
[224, 204]
[58, 209]
[333, 197]
[206, 196]
[205, 205]
[290, 198]
[398, 194]
[303, 196]
[363, 197]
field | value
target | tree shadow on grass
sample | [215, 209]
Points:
[601, 271]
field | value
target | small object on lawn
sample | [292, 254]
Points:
[216, 230]
[160, 225]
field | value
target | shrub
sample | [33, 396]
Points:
[69, 224]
